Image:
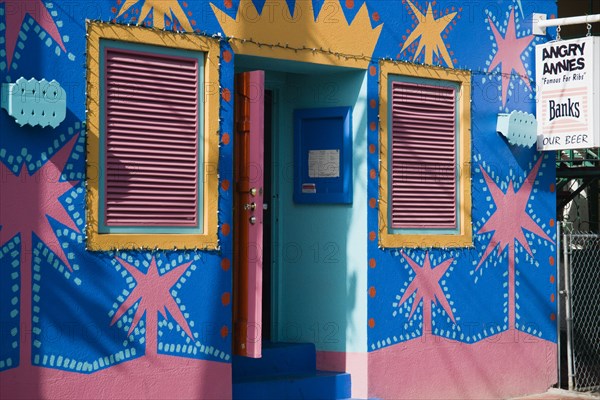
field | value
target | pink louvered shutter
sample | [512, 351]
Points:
[151, 147]
[423, 162]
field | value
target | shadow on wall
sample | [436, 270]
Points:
[69, 295]
[33, 217]
[21, 208]
[322, 282]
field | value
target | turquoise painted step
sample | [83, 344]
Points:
[318, 385]
[277, 359]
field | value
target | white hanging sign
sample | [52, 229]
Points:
[568, 94]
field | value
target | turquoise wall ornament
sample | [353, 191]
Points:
[520, 128]
[35, 102]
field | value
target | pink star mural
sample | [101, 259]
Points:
[15, 12]
[508, 223]
[153, 291]
[426, 288]
[28, 203]
[508, 54]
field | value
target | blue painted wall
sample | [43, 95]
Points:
[477, 296]
[72, 310]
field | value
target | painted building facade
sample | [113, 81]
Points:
[91, 306]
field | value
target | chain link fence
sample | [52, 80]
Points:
[581, 253]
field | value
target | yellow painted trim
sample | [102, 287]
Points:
[207, 239]
[463, 78]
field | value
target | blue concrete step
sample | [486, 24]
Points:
[277, 359]
[316, 385]
[353, 398]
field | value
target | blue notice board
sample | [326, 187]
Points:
[323, 155]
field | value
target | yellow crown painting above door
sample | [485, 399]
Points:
[278, 32]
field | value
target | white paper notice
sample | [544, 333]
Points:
[324, 164]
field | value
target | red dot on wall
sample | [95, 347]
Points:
[372, 70]
[372, 203]
[552, 298]
[372, 291]
[372, 148]
[224, 332]
[227, 56]
[552, 188]
[371, 323]
[225, 229]
[375, 16]
[228, 4]
[373, 126]
[226, 94]
[373, 103]
[372, 263]
[225, 298]
[551, 278]
[226, 138]
[372, 236]
[350, 3]
[373, 173]
[552, 222]
[553, 317]
[225, 185]
[225, 264]
[551, 261]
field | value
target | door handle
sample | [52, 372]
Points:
[250, 206]
[253, 191]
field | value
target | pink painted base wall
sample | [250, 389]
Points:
[146, 378]
[509, 364]
[506, 365]
[503, 366]
[356, 364]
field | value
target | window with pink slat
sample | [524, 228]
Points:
[423, 156]
[151, 139]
